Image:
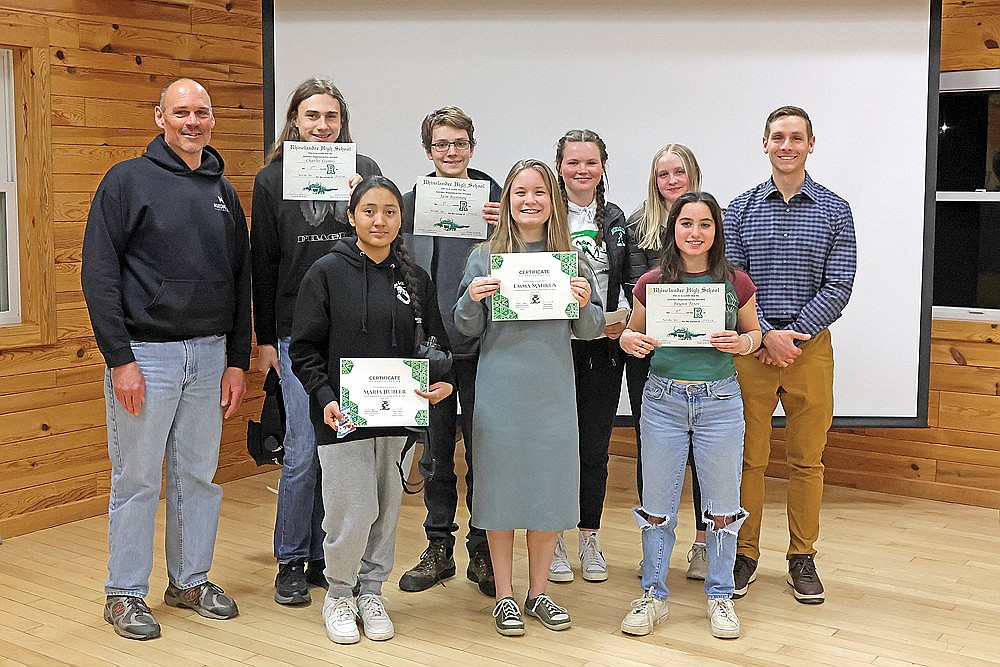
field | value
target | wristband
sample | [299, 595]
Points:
[750, 347]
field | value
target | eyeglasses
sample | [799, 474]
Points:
[443, 146]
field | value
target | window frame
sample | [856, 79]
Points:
[33, 164]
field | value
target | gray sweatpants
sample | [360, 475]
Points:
[361, 497]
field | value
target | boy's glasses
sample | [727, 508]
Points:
[443, 146]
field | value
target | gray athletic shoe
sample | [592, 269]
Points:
[207, 599]
[131, 617]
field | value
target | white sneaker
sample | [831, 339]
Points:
[592, 564]
[560, 570]
[375, 619]
[339, 616]
[725, 622]
[646, 612]
[697, 561]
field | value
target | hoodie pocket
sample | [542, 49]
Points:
[194, 306]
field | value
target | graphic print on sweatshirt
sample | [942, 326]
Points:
[401, 292]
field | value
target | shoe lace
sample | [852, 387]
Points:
[342, 610]
[481, 559]
[431, 557]
[371, 605]
[551, 607]
[560, 551]
[506, 610]
[725, 609]
[591, 555]
[644, 604]
[807, 569]
[696, 551]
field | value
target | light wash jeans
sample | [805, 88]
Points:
[706, 417]
[181, 420]
[298, 527]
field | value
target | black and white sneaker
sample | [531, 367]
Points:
[290, 586]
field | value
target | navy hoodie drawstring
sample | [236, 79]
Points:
[364, 292]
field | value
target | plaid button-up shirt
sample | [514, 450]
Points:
[802, 254]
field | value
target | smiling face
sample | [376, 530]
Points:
[694, 234]
[787, 145]
[671, 178]
[581, 170]
[530, 204]
[319, 118]
[185, 116]
[450, 161]
[376, 219]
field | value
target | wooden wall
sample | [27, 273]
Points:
[108, 61]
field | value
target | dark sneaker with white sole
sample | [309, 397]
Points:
[290, 586]
[131, 617]
[744, 574]
[804, 579]
[548, 612]
[207, 599]
[507, 616]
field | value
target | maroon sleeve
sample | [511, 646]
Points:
[639, 291]
[744, 287]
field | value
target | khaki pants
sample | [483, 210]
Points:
[805, 389]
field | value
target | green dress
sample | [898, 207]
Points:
[526, 454]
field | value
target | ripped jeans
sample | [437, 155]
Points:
[706, 417]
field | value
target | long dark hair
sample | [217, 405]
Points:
[396, 247]
[672, 264]
[590, 137]
[304, 91]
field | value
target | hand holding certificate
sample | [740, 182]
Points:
[685, 314]
[317, 170]
[534, 286]
[380, 392]
[451, 207]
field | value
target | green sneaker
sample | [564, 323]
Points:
[548, 612]
[507, 616]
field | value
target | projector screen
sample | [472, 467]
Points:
[642, 74]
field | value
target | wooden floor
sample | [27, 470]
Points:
[908, 582]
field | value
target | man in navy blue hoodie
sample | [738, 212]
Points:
[166, 276]
[447, 135]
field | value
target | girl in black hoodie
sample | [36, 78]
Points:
[360, 300]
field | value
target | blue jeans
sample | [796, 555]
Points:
[298, 527]
[181, 420]
[707, 418]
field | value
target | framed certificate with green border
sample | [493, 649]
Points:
[379, 392]
[534, 286]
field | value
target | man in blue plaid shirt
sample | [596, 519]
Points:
[796, 240]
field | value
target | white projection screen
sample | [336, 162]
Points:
[704, 73]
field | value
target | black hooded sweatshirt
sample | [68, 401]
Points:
[351, 306]
[166, 256]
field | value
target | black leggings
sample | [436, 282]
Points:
[636, 372]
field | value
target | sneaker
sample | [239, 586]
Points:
[559, 570]
[725, 622]
[548, 612]
[697, 561]
[592, 564]
[339, 617]
[744, 574]
[207, 599]
[435, 565]
[131, 617]
[480, 570]
[507, 616]
[646, 612]
[315, 575]
[374, 617]
[804, 579]
[290, 586]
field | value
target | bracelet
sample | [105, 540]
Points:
[750, 348]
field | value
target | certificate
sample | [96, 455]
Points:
[534, 286]
[451, 207]
[318, 170]
[685, 314]
[379, 392]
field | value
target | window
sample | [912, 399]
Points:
[10, 286]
